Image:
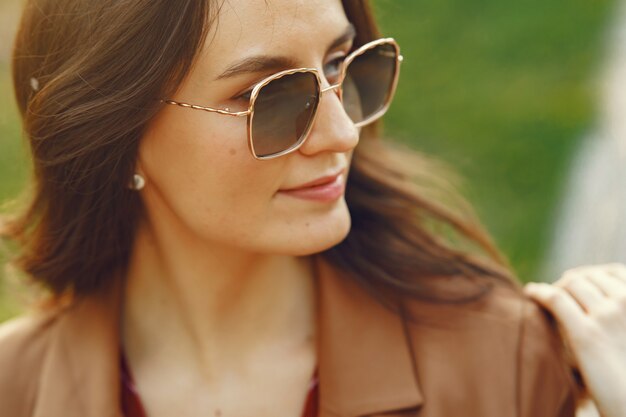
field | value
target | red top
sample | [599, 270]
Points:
[131, 404]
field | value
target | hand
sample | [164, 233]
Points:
[589, 303]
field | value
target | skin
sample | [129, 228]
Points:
[590, 305]
[220, 302]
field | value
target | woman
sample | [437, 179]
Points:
[190, 222]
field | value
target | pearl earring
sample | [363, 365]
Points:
[138, 182]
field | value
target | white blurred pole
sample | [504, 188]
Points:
[591, 224]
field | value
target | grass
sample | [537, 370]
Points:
[500, 90]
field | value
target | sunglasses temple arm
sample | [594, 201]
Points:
[330, 87]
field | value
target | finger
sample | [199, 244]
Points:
[587, 294]
[618, 271]
[610, 285]
[560, 303]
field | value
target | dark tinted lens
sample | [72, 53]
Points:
[283, 112]
[369, 80]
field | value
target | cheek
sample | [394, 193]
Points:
[198, 164]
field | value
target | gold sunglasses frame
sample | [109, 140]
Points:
[249, 113]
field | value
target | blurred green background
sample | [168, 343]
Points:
[502, 91]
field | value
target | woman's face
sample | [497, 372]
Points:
[200, 175]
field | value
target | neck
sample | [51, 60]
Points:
[211, 306]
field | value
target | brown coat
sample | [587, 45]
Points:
[492, 358]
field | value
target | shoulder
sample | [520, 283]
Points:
[502, 344]
[457, 304]
[502, 307]
[21, 338]
[24, 342]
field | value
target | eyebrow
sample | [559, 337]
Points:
[261, 63]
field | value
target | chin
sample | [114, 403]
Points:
[318, 236]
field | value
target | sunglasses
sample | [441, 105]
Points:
[283, 106]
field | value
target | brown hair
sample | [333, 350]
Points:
[100, 66]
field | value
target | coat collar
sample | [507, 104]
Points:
[365, 362]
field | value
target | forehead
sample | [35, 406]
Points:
[248, 27]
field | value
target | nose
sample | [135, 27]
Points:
[333, 130]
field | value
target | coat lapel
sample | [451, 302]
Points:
[365, 362]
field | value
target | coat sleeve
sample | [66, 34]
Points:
[547, 387]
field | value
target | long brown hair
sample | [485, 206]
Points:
[85, 77]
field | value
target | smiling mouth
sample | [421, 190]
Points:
[325, 192]
[328, 179]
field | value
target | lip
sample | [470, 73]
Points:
[320, 181]
[325, 189]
